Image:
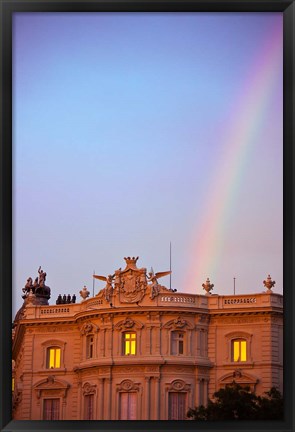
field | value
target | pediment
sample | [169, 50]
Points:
[240, 377]
[51, 385]
[51, 382]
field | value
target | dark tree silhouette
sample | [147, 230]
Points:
[235, 402]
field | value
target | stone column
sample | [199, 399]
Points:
[167, 334]
[197, 392]
[158, 339]
[189, 343]
[63, 407]
[100, 398]
[157, 398]
[110, 342]
[102, 343]
[148, 340]
[139, 348]
[109, 398]
[206, 392]
[198, 333]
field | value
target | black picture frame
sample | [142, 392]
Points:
[7, 8]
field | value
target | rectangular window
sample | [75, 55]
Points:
[239, 350]
[202, 343]
[51, 409]
[243, 351]
[176, 406]
[129, 344]
[88, 407]
[177, 343]
[89, 346]
[180, 343]
[128, 406]
[53, 358]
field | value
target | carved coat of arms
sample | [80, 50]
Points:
[133, 282]
[130, 284]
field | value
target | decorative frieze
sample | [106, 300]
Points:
[239, 319]
[152, 369]
[184, 369]
[51, 328]
[130, 369]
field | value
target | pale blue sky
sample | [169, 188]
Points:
[120, 125]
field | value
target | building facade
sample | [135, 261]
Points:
[140, 351]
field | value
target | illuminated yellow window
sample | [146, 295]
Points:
[53, 357]
[13, 384]
[129, 344]
[239, 350]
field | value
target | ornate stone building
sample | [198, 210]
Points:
[138, 350]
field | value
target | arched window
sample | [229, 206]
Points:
[239, 350]
[177, 343]
[129, 343]
[53, 355]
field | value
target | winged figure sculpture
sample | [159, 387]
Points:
[109, 285]
[153, 278]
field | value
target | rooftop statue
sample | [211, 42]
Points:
[38, 289]
[42, 277]
[108, 290]
[153, 278]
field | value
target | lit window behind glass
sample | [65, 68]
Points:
[129, 343]
[53, 358]
[239, 350]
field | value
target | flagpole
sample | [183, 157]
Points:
[170, 266]
[93, 283]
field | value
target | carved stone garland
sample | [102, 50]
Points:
[88, 388]
[128, 386]
[178, 386]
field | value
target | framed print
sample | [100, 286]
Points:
[147, 243]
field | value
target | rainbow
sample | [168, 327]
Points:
[208, 240]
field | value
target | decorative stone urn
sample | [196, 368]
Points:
[84, 293]
[269, 284]
[207, 286]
